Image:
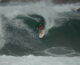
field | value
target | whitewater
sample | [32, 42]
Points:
[39, 60]
[19, 43]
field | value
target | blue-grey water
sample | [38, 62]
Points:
[19, 36]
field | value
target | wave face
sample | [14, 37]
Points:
[18, 34]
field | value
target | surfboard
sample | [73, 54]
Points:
[41, 33]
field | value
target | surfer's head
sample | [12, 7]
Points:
[42, 21]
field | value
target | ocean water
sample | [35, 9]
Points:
[19, 39]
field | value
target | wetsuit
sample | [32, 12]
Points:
[41, 25]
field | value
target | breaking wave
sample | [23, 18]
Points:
[19, 37]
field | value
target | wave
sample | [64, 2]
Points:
[15, 32]
[61, 52]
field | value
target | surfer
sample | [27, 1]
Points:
[41, 28]
[41, 25]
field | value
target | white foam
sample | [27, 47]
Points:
[48, 12]
[39, 60]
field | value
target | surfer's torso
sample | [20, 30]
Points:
[41, 25]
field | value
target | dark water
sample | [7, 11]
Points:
[22, 40]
